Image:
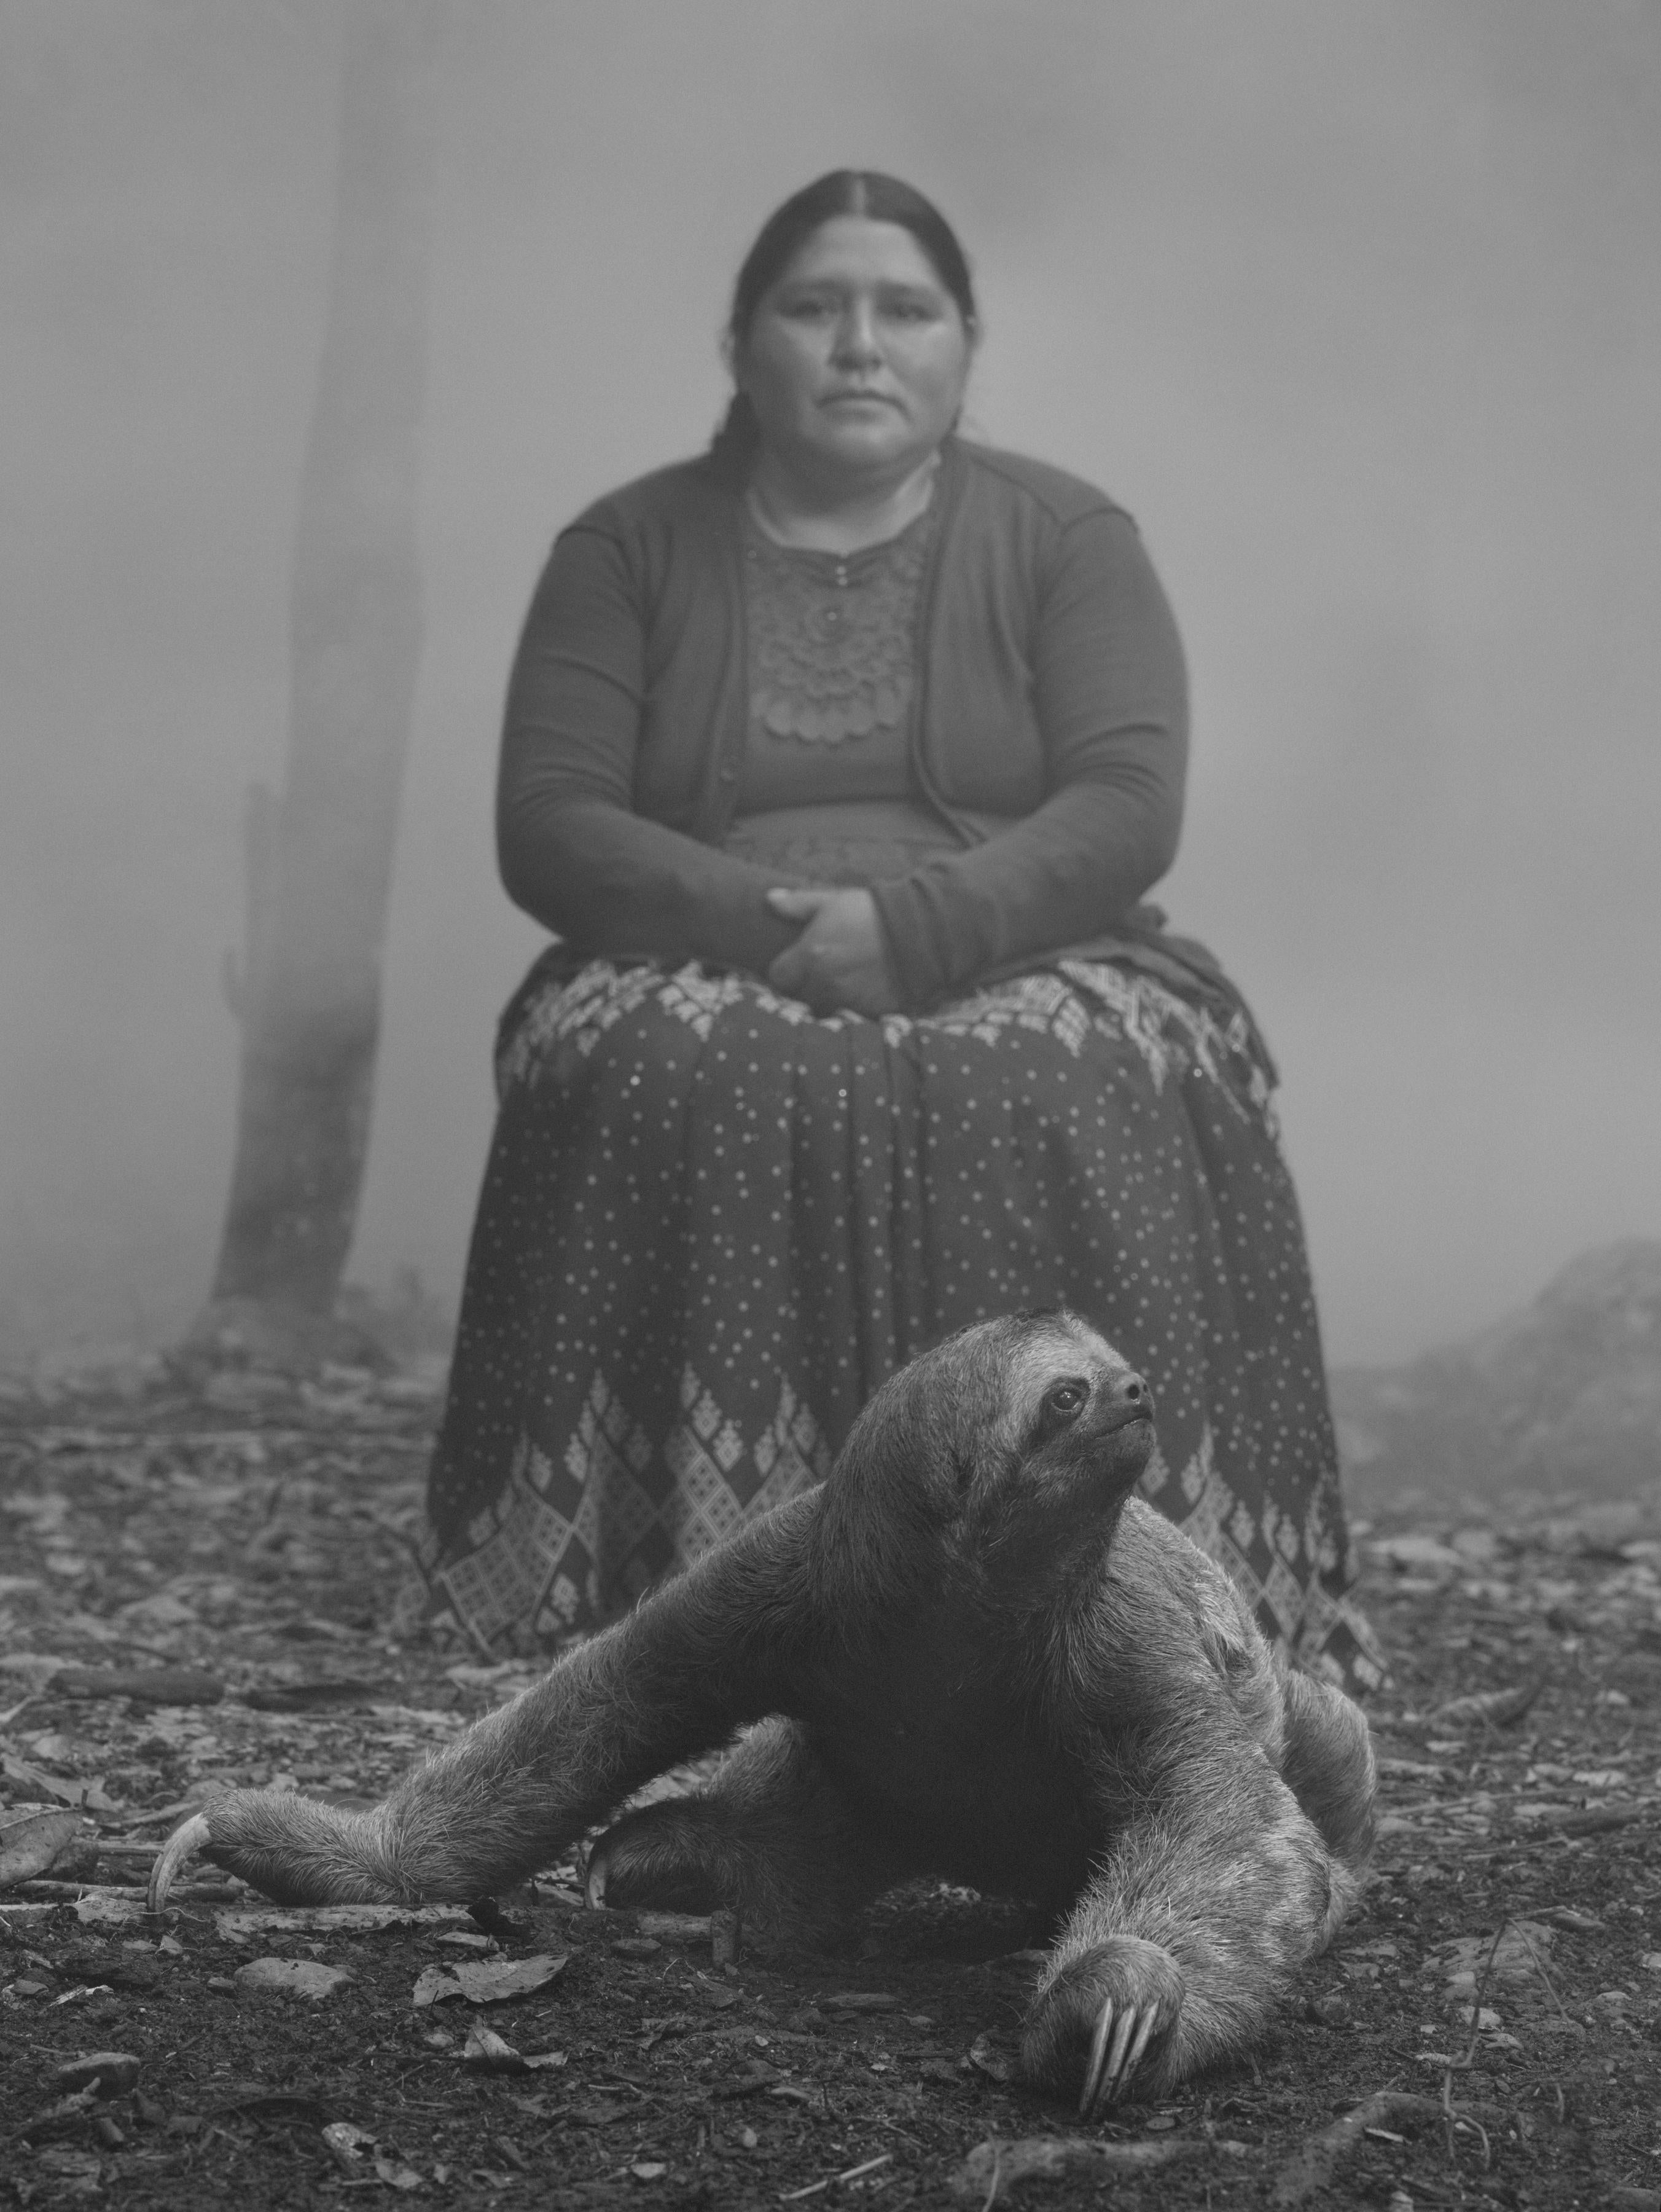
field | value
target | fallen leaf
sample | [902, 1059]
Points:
[396, 2176]
[488, 1981]
[109, 1908]
[68, 1789]
[291, 1978]
[485, 2052]
[28, 1846]
[860, 2001]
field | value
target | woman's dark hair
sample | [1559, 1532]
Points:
[865, 192]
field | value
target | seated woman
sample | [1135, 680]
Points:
[838, 760]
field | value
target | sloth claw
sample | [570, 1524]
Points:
[185, 1841]
[1110, 2068]
[1107, 2007]
[594, 1881]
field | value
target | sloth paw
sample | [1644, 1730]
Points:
[1108, 2012]
[661, 1855]
[295, 1852]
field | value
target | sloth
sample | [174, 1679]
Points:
[970, 1654]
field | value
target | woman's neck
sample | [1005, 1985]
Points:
[827, 518]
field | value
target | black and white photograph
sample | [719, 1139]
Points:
[830, 982]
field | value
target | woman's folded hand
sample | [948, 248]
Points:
[840, 960]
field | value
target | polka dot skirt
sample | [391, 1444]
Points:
[712, 1223]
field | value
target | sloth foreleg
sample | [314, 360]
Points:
[697, 1659]
[1213, 1892]
[772, 1835]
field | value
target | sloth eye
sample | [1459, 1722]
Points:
[1064, 1402]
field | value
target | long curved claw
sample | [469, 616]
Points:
[1112, 2065]
[185, 1841]
[594, 1880]
[1144, 2036]
[1097, 2065]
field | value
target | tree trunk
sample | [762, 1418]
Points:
[319, 860]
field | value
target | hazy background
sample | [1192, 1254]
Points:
[1357, 306]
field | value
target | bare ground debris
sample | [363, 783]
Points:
[197, 1581]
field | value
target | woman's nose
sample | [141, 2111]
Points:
[855, 335]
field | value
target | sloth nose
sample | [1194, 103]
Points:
[1130, 1391]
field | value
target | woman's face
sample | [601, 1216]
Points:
[855, 359]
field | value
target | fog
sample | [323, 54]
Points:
[1357, 307]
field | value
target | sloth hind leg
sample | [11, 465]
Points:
[772, 1835]
[1327, 1764]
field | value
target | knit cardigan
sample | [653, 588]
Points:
[1048, 727]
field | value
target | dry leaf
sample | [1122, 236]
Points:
[484, 2052]
[488, 1981]
[291, 1978]
[28, 1846]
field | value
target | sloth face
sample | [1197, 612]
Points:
[1062, 1440]
[1020, 1435]
[1069, 1385]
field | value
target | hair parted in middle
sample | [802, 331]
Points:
[869, 192]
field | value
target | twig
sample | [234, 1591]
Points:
[997, 2176]
[1539, 1968]
[1315, 2164]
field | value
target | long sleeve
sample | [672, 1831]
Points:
[574, 851]
[1109, 693]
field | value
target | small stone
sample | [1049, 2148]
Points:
[652, 2169]
[346, 2144]
[1332, 2010]
[636, 1947]
[291, 1978]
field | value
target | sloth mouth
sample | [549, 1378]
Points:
[1130, 1417]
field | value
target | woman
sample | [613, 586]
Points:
[838, 760]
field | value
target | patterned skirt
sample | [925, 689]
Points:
[712, 1223]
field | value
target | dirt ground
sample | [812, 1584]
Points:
[1488, 2030]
